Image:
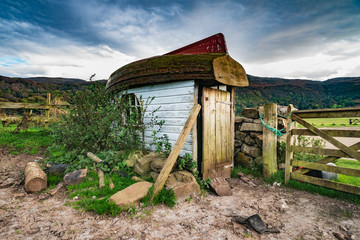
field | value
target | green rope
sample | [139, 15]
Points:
[274, 130]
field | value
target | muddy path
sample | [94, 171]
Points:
[298, 215]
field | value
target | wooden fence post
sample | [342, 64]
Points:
[289, 150]
[269, 140]
[47, 112]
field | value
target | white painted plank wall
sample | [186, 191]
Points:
[175, 100]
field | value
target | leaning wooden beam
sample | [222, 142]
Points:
[100, 172]
[327, 137]
[170, 161]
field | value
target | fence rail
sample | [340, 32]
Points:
[331, 154]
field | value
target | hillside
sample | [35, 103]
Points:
[304, 94]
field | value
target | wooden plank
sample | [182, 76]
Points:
[324, 167]
[289, 141]
[205, 132]
[12, 105]
[227, 132]
[194, 131]
[320, 151]
[173, 99]
[161, 92]
[269, 141]
[232, 125]
[329, 113]
[219, 143]
[212, 137]
[156, 87]
[326, 183]
[170, 161]
[171, 107]
[331, 132]
[327, 137]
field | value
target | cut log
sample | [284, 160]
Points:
[35, 178]
[111, 184]
[94, 157]
[57, 188]
[101, 178]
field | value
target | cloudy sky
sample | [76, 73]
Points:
[309, 39]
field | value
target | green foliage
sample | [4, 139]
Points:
[348, 179]
[53, 180]
[166, 197]
[256, 171]
[162, 144]
[186, 163]
[33, 141]
[100, 122]
[308, 142]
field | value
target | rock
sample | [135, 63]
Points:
[258, 160]
[137, 179]
[143, 165]
[252, 151]
[131, 195]
[221, 187]
[258, 121]
[154, 175]
[249, 140]
[248, 120]
[282, 110]
[56, 168]
[282, 166]
[252, 113]
[255, 134]
[75, 177]
[251, 127]
[242, 160]
[259, 140]
[238, 143]
[183, 184]
[133, 157]
[157, 164]
[239, 120]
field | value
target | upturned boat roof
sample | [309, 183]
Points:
[205, 60]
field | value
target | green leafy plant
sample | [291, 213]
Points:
[308, 142]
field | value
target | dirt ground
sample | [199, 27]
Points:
[298, 215]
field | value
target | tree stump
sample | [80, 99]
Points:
[35, 178]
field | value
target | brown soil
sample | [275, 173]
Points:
[298, 215]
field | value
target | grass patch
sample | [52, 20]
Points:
[33, 141]
[255, 171]
[348, 164]
[53, 180]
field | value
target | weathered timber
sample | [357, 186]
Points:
[35, 178]
[289, 139]
[329, 113]
[213, 67]
[331, 132]
[269, 141]
[111, 183]
[326, 183]
[328, 168]
[170, 161]
[56, 188]
[327, 137]
[100, 172]
[12, 105]
[232, 125]
[320, 151]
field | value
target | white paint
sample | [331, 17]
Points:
[174, 102]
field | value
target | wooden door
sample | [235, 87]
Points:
[217, 134]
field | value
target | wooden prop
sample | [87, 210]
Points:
[35, 178]
[170, 161]
[100, 172]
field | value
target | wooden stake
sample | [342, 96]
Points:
[170, 161]
[289, 150]
[269, 141]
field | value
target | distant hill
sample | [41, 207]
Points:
[304, 94]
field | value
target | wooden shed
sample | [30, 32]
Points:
[200, 73]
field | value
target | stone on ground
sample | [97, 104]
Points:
[183, 184]
[221, 186]
[133, 157]
[251, 127]
[252, 113]
[158, 164]
[143, 165]
[75, 177]
[131, 195]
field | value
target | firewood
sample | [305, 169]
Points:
[111, 185]
[35, 178]
[57, 188]
[100, 172]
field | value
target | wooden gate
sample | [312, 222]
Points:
[331, 154]
[218, 134]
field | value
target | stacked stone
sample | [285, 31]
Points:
[248, 138]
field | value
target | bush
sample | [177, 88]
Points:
[100, 121]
